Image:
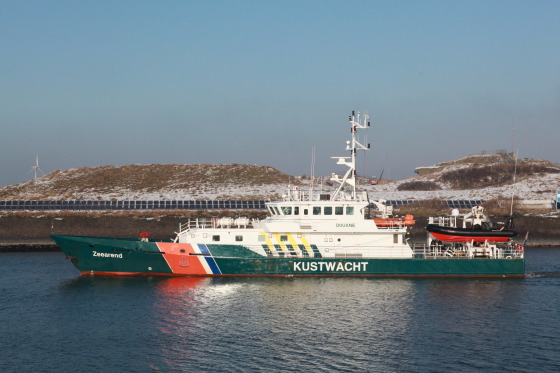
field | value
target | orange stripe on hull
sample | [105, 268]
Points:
[185, 263]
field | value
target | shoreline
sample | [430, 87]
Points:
[31, 247]
[31, 232]
[27, 247]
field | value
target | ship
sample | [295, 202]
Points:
[315, 231]
[473, 235]
[472, 227]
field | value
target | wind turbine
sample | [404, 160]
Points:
[36, 167]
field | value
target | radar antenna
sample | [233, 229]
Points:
[357, 121]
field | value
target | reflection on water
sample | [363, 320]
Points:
[341, 324]
[469, 319]
[278, 322]
[55, 320]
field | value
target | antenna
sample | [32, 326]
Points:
[357, 121]
[36, 167]
[312, 166]
[512, 136]
[513, 189]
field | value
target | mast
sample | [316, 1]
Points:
[356, 122]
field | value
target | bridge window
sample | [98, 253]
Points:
[239, 238]
[296, 210]
[287, 210]
[328, 210]
[317, 210]
[216, 238]
[349, 210]
[339, 210]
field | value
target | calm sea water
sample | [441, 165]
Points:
[52, 320]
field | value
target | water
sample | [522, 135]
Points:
[52, 320]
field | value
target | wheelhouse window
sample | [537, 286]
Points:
[287, 210]
[216, 238]
[349, 210]
[339, 210]
[296, 210]
[316, 210]
[238, 238]
[328, 210]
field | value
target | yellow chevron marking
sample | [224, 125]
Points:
[294, 244]
[268, 243]
[306, 245]
[282, 244]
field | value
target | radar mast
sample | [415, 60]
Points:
[357, 121]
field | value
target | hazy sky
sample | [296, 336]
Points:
[86, 83]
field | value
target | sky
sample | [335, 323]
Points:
[88, 83]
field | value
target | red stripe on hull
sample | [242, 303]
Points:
[95, 273]
[278, 275]
[454, 238]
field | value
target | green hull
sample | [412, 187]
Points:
[373, 267]
[109, 256]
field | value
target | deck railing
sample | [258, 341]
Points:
[218, 223]
[514, 251]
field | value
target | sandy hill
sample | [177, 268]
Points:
[484, 176]
[153, 182]
[474, 177]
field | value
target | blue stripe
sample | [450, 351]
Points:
[213, 266]
[203, 248]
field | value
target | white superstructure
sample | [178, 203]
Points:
[306, 223]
